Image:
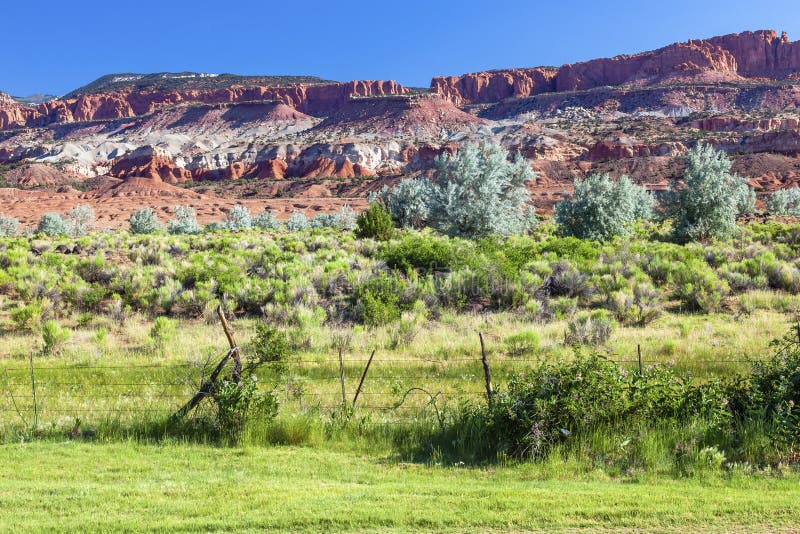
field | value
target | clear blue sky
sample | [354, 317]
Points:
[55, 46]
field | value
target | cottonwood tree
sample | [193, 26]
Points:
[601, 208]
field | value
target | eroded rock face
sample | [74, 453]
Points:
[494, 86]
[726, 58]
[320, 99]
[150, 162]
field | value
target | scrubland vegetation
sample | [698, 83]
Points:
[628, 338]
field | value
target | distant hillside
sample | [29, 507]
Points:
[35, 100]
[170, 81]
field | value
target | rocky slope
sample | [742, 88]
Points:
[305, 143]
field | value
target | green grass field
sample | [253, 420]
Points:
[104, 487]
[102, 454]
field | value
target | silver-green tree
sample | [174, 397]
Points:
[785, 202]
[144, 221]
[480, 191]
[601, 208]
[711, 197]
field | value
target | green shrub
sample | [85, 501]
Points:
[8, 226]
[639, 306]
[28, 317]
[377, 300]
[375, 223]
[144, 221]
[52, 224]
[53, 337]
[426, 253]
[593, 328]
[162, 331]
[522, 343]
[566, 401]
[698, 287]
[601, 209]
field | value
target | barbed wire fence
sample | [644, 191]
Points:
[387, 388]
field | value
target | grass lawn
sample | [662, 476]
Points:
[100, 487]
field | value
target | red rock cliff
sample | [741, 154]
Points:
[494, 86]
[320, 99]
[727, 58]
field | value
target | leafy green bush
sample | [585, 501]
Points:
[29, 316]
[426, 253]
[698, 286]
[375, 223]
[377, 300]
[162, 331]
[144, 221]
[561, 402]
[601, 209]
[639, 306]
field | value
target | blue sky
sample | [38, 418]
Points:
[56, 46]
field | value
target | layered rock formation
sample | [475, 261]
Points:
[314, 99]
[494, 86]
[300, 143]
[760, 54]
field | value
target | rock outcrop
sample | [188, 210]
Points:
[315, 99]
[760, 54]
[494, 86]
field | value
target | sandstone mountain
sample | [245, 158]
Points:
[213, 140]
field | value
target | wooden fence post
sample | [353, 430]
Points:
[237, 359]
[363, 376]
[639, 352]
[487, 372]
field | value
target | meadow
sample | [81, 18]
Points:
[111, 333]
